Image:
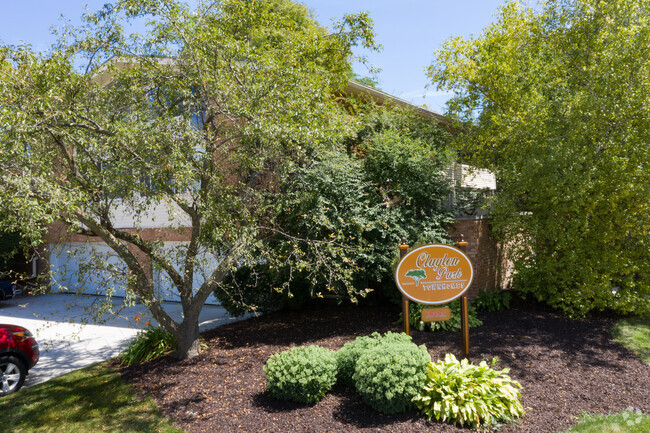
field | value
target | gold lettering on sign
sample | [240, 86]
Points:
[434, 274]
[424, 260]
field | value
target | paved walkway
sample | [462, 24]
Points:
[69, 339]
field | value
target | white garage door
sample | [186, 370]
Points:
[94, 268]
[205, 264]
[87, 267]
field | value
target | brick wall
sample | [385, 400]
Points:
[491, 270]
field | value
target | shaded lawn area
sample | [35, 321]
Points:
[634, 333]
[625, 422]
[567, 368]
[94, 399]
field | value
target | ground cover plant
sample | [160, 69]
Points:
[469, 395]
[566, 367]
[93, 399]
[151, 342]
[492, 301]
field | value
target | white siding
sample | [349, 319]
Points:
[471, 177]
[156, 216]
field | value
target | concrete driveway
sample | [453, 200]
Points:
[69, 340]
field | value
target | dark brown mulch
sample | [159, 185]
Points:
[566, 367]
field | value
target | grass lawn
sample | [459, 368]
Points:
[626, 422]
[94, 399]
[634, 333]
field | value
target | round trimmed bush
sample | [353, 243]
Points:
[301, 374]
[347, 356]
[390, 375]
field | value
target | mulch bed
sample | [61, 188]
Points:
[566, 367]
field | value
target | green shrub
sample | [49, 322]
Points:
[389, 375]
[301, 374]
[453, 324]
[257, 288]
[469, 395]
[492, 301]
[150, 343]
[341, 216]
[347, 356]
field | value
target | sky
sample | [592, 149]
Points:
[409, 30]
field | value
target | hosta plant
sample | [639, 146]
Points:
[459, 392]
[301, 374]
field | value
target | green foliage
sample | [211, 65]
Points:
[258, 288]
[367, 81]
[347, 356]
[492, 301]
[149, 343]
[634, 333]
[301, 374]
[388, 376]
[453, 324]
[340, 218]
[555, 101]
[469, 395]
[210, 111]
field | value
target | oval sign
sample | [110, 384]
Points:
[434, 274]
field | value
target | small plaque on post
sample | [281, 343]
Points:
[436, 314]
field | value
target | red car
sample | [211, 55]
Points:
[18, 353]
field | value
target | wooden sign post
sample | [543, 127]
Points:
[435, 274]
[403, 250]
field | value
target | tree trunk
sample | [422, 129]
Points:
[188, 339]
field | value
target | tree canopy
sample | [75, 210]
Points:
[385, 183]
[556, 101]
[207, 114]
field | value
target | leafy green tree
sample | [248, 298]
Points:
[386, 184]
[556, 102]
[206, 114]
